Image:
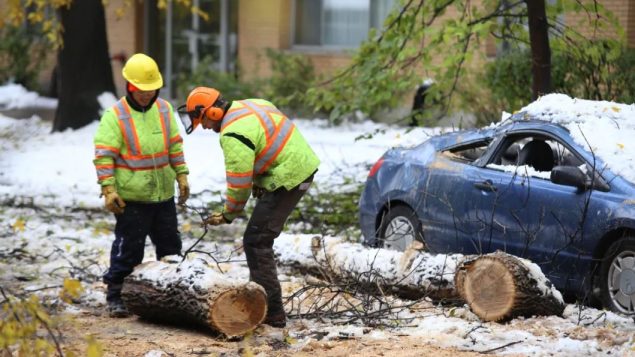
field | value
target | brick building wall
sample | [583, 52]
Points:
[261, 25]
[623, 10]
[268, 25]
[123, 38]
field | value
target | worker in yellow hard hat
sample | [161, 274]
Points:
[138, 158]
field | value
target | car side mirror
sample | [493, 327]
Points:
[569, 176]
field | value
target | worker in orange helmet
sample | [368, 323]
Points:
[265, 156]
[138, 158]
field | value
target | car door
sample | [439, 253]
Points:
[537, 219]
[450, 216]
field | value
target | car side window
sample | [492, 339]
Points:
[467, 153]
[564, 157]
[532, 155]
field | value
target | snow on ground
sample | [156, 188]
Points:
[41, 246]
[54, 244]
[14, 96]
[57, 169]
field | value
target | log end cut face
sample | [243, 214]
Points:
[238, 311]
[489, 289]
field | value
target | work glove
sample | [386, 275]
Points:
[184, 188]
[216, 219]
[257, 191]
[113, 202]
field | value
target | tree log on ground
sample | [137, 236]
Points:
[412, 274]
[194, 292]
[496, 286]
[500, 287]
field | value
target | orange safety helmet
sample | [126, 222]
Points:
[201, 101]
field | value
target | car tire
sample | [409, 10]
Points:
[399, 227]
[617, 277]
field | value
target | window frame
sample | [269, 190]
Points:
[321, 48]
[510, 137]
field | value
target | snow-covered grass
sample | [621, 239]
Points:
[53, 174]
[15, 96]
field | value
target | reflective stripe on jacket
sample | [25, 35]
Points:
[280, 156]
[139, 152]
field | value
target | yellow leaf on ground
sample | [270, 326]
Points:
[616, 109]
[621, 146]
[18, 225]
[94, 348]
[71, 288]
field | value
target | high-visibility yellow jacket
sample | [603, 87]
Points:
[139, 152]
[261, 147]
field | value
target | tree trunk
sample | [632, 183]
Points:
[500, 287]
[190, 293]
[496, 286]
[83, 65]
[540, 50]
[412, 274]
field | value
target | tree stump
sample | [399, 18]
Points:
[193, 292]
[499, 287]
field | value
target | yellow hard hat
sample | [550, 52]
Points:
[143, 72]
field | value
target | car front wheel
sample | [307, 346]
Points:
[399, 228]
[618, 276]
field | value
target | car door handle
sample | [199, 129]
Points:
[486, 185]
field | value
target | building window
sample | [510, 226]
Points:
[337, 23]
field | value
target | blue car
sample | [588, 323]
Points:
[524, 187]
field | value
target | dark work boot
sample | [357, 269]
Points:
[116, 307]
[278, 320]
[262, 269]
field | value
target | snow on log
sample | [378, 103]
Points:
[194, 292]
[411, 274]
[499, 287]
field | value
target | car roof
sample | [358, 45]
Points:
[531, 121]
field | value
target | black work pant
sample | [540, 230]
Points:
[265, 225]
[158, 220]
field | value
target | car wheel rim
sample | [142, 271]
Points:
[621, 281]
[399, 234]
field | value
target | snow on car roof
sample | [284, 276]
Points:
[606, 128]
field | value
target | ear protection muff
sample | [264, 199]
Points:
[214, 113]
[204, 101]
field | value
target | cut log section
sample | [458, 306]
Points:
[499, 287]
[412, 274]
[193, 292]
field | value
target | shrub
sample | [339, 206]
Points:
[291, 77]
[324, 210]
[22, 55]
[227, 83]
[597, 70]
